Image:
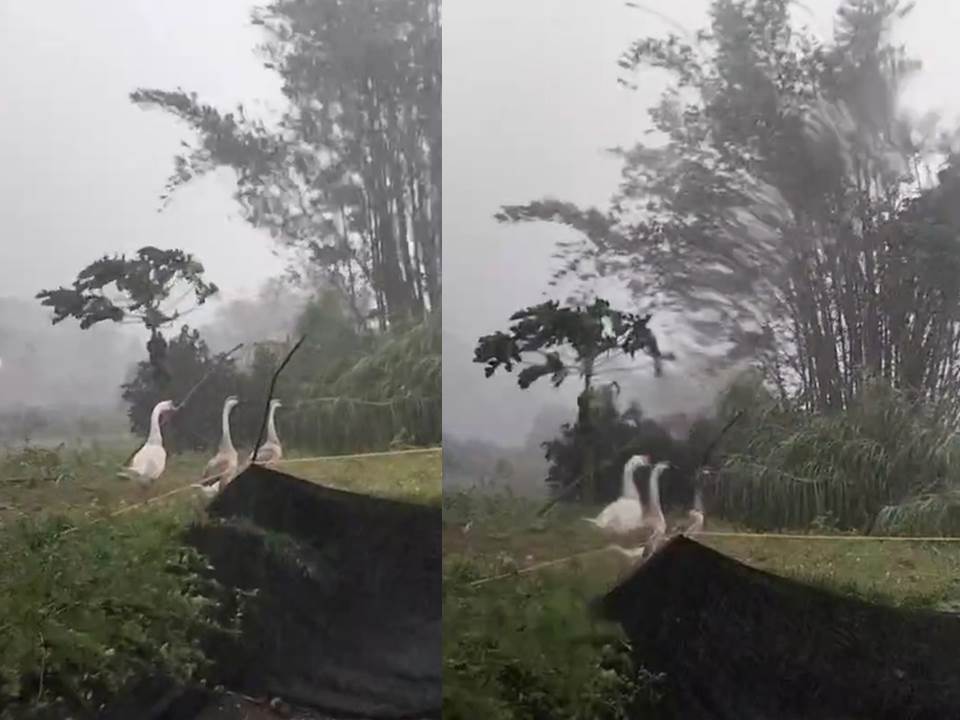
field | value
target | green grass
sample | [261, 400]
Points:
[535, 626]
[85, 479]
[89, 598]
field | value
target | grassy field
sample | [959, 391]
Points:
[524, 647]
[38, 481]
[90, 596]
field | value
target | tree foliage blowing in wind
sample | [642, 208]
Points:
[791, 207]
[593, 334]
[350, 177]
[137, 289]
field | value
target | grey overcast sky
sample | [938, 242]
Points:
[81, 168]
[530, 102]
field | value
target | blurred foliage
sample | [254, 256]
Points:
[33, 465]
[886, 463]
[345, 390]
[88, 606]
[788, 207]
[591, 332]
[350, 177]
[528, 650]
[620, 434]
[188, 360]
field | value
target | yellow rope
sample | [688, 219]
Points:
[322, 458]
[540, 566]
[839, 538]
[710, 534]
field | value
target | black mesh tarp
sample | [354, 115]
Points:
[347, 616]
[736, 643]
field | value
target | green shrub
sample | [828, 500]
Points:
[86, 606]
[526, 649]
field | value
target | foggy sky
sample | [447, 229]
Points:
[530, 102]
[81, 167]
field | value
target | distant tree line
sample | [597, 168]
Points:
[344, 391]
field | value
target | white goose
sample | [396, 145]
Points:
[271, 452]
[222, 467]
[696, 515]
[149, 461]
[625, 514]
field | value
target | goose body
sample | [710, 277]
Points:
[625, 514]
[149, 462]
[223, 466]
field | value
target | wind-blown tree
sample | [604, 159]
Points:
[137, 289]
[566, 340]
[350, 177]
[790, 207]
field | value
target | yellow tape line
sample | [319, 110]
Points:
[321, 458]
[839, 538]
[784, 536]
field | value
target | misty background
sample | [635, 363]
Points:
[530, 116]
[111, 112]
[81, 173]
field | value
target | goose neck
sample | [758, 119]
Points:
[629, 489]
[272, 428]
[655, 491]
[155, 437]
[226, 440]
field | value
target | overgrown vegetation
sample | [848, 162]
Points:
[793, 210]
[525, 647]
[91, 600]
[557, 341]
[885, 463]
[89, 605]
[536, 626]
[346, 391]
[351, 178]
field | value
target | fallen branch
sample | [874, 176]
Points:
[266, 409]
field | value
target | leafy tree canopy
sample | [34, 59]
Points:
[590, 331]
[788, 207]
[119, 289]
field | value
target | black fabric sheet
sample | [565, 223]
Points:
[347, 617]
[737, 643]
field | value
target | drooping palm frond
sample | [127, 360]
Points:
[928, 515]
[389, 397]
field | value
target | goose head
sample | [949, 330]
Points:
[164, 408]
[275, 404]
[660, 468]
[231, 402]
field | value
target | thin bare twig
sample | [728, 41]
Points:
[218, 361]
[266, 409]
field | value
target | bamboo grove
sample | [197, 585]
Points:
[350, 176]
[794, 211]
